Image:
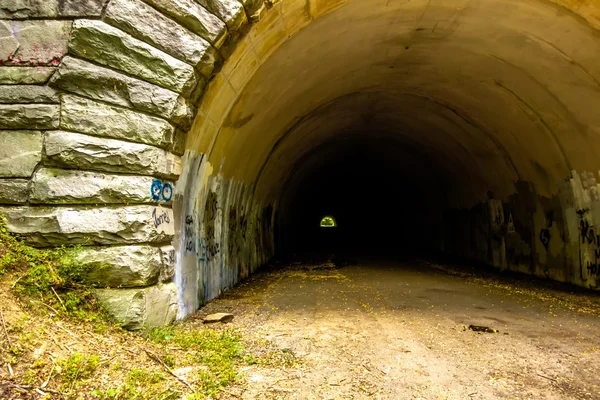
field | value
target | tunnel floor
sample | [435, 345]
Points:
[399, 330]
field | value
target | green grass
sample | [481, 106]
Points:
[47, 276]
[219, 351]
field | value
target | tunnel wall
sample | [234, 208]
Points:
[551, 238]
[96, 99]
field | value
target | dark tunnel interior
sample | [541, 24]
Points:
[369, 184]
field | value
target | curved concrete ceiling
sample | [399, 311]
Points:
[489, 92]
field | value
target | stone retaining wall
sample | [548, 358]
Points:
[96, 97]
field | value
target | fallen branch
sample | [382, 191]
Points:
[168, 369]
[547, 377]
[5, 331]
[49, 377]
[44, 304]
[37, 390]
[59, 299]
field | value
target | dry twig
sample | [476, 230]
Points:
[169, 370]
[5, 331]
[547, 377]
[59, 299]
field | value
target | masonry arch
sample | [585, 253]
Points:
[185, 143]
[461, 114]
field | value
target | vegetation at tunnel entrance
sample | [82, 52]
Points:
[56, 342]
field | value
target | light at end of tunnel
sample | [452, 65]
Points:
[328, 222]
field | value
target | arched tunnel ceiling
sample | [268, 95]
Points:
[492, 92]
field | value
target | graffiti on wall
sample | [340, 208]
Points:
[160, 217]
[210, 246]
[161, 190]
[589, 238]
[189, 234]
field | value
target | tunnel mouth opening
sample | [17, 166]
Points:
[382, 195]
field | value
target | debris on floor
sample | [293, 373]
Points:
[218, 317]
[479, 328]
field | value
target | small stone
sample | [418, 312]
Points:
[75, 150]
[99, 42]
[20, 153]
[218, 317]
[29, 116]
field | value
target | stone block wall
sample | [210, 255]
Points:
[96, 97]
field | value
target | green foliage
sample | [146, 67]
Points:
[219, 351]
[51, 275]
[139, 384]
[77, 367]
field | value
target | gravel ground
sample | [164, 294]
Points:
[400, 330]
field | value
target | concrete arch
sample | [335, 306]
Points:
[180, 140]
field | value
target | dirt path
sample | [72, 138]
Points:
[397, 331]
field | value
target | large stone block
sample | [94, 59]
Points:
[74, 150]
[98, 119]
[145, 308]
[89, 80]
[59, 186]
[194, 17]
[254, 8]
[14, 191]
[106, 45]
[29, 116]
[55, 226]
[10, 94]
[168, 264]
[25, 75]
[119, 266]
[19, 9]
[149, 25]
[33, 42]
[230, 11]
[20, 153]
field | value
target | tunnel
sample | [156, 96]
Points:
[460, 128]
[186, 144]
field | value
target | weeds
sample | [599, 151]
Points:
[47, 276]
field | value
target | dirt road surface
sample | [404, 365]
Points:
[399, 330]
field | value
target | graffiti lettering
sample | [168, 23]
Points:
[210, 245]
[159, 219]
[587, 233]
[159, 191]
[589, 237]
[189, 233]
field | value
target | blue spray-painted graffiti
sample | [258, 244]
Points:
[167, 192]
[159, 190]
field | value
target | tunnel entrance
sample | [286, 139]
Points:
[456, 127]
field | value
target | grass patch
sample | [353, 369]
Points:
[220, 352]
[47, 279]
